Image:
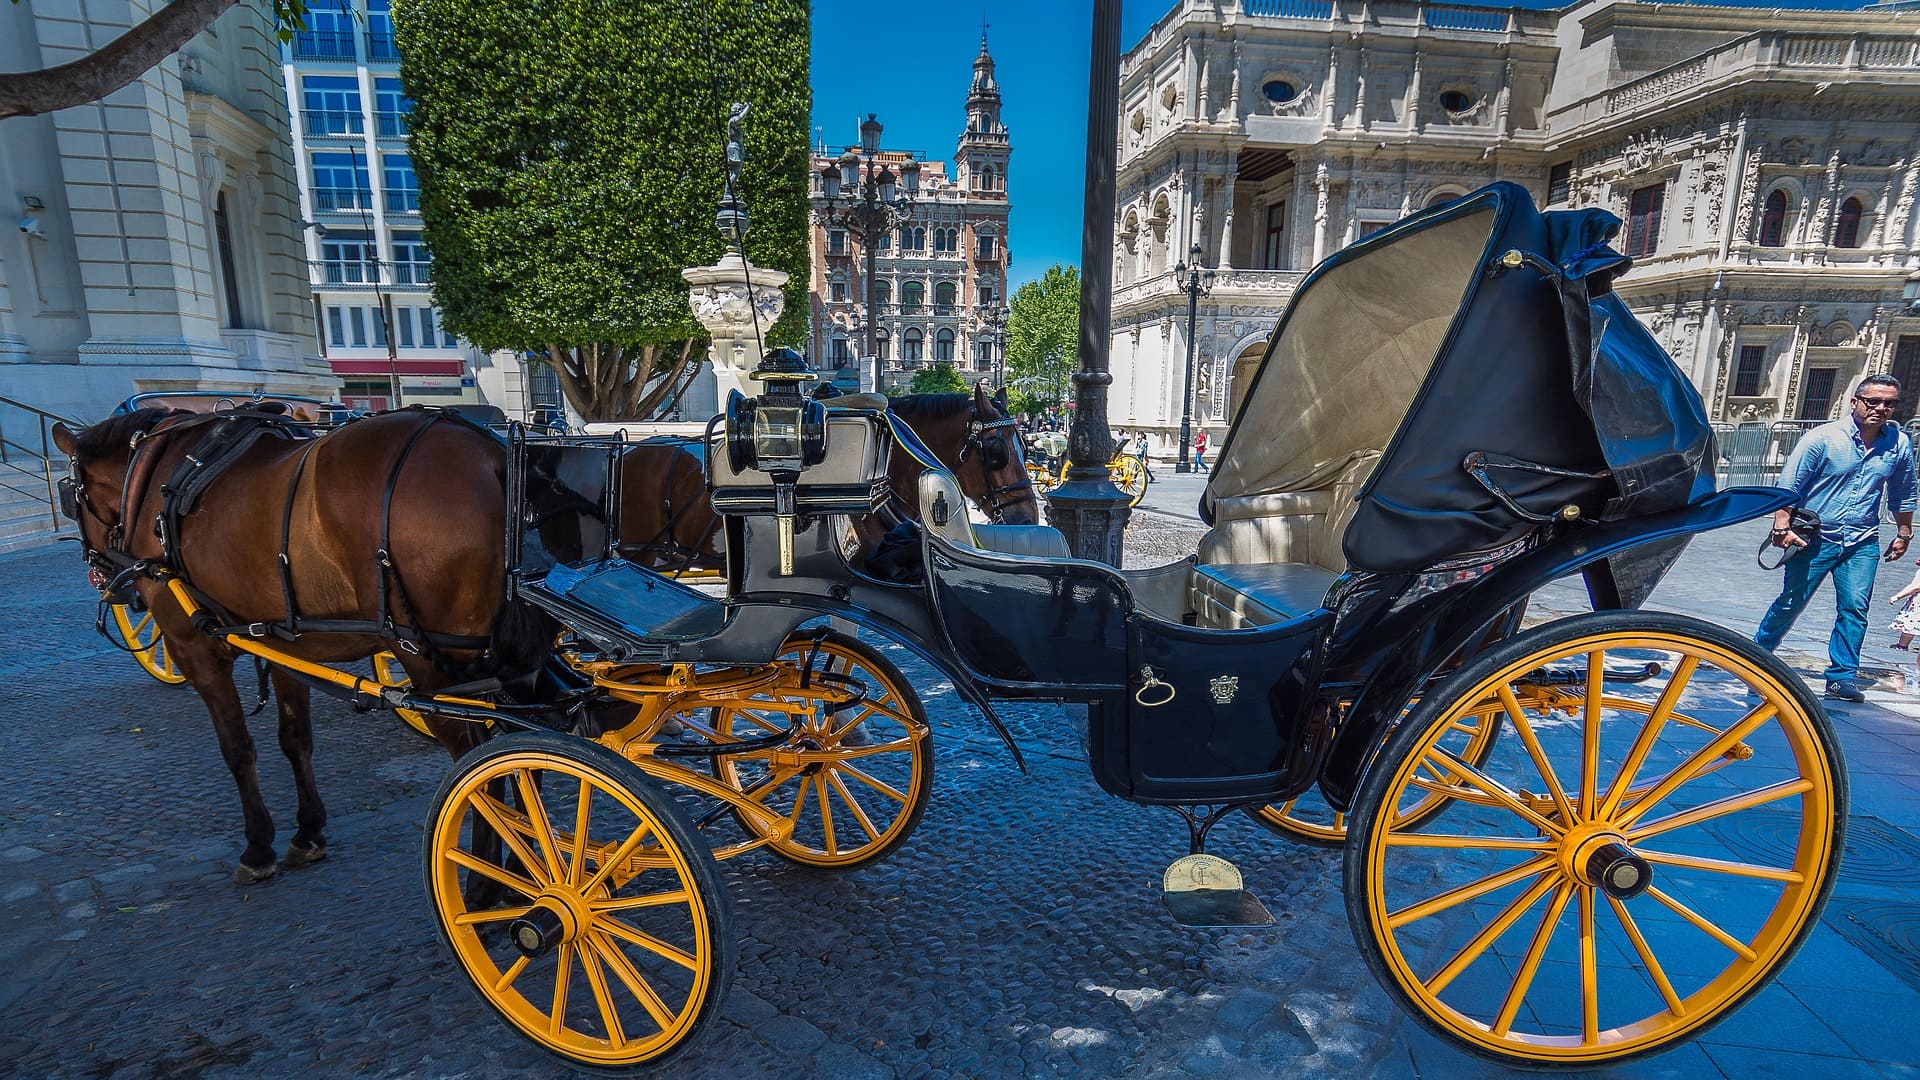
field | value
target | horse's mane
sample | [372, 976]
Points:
[99, 440]
[931, 406]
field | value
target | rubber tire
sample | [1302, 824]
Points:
[1408, 734]
[725, 942]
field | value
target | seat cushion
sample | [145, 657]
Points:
[1257, 594]
[1041, 540]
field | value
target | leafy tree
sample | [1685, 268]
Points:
[571, 157]
[1043, 336]
[127, 57]
[937, 378]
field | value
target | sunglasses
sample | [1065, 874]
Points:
[1878, 403]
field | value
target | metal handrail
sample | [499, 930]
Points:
[44, 457]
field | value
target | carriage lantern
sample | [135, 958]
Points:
[781, 432]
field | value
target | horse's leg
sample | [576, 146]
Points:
[296, 741]
[458, 737]
[209, 667]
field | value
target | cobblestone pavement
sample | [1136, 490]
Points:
[1018, 933]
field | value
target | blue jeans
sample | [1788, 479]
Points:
[1853, 570]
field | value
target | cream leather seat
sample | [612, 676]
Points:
[943, 512]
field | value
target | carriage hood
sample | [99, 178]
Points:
[1476, 355]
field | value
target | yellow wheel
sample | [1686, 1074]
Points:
[1309, 819]
[1640, 859]
[387, 669]
[855, 777]
[608, 941]
[1129, 477]
[140, 635]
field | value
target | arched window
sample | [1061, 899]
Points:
[986, 178]
[912, 295]
[1846, 231]
[911, 344]
[883, 342]
[943, 344]
[839, 354]
[913, 239]
[1773, 219]
[883, 292]
[1441, 198]
[943, 294]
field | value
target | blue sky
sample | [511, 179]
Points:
[911, 62]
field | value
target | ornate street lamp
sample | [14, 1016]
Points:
[1198, 283]
[993, 331]
[865, 198]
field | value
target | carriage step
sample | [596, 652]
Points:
[1206, 890]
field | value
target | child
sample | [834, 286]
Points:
[1908, 621]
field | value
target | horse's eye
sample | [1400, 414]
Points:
[995, 453]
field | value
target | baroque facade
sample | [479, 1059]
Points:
[1765, 163]
[940, 279]
[149, 237]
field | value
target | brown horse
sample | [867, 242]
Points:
[666, 521]
[426, 490]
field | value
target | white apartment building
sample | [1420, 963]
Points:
[1765, 161]
[360, 207]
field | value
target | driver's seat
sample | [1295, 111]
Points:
[943, 512]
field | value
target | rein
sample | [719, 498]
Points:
[976, 428]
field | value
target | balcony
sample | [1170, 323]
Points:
[323, 45]
[381, 49]
[412, 273]
[391, 125]
[402, 200]
[344, 273]
[342, 200]
[331, 123]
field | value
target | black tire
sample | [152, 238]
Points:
[1555, 843]
[662, 843]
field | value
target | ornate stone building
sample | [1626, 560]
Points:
[148, 239]
[941, 278]
[1765, 161]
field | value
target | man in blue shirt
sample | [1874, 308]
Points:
[1839, 470]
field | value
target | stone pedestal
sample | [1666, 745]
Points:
[721, 301]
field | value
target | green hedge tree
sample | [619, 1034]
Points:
[571, 158]
[939, 378]
[1043, 336]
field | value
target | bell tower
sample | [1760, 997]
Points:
[981, 162]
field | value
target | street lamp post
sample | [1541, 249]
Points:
[866, 199]
[1197, 284]
[994, 332]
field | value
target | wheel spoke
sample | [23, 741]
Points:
[542, 829]
[474, 918]
[1531, 740]
[1499, 792]
[1721, 866]
[597, 979]
[1471, 951]
[636, 983]
[826, 815]
[562, 973]
[627, 847]
[496, 815]
[1738, 947]
[1530, 965]
[1470, 891]
[1718, 808]
[628, 903]
[1649, 734]
[513, 972]
[626, 931]
[876, 785]
[897, 746]
[1654, 970]
[846, 796]
[1589, 973]
[1590, 732]
[487, 870]
[1692, 766]
[1449, 840]
[581, 814]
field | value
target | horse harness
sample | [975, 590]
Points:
[977, 445]
[235, 432]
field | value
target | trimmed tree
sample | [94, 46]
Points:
[1043, 335]
[938, 378]
[571, 158]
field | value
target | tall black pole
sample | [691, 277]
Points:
[1186, 388]
[867, 240]
[1088, 508]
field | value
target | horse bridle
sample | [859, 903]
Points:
[109, 568]
[976, 442]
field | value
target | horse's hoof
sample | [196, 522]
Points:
[253, 875]
[299, 855]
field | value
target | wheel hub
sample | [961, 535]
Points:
[555, 917]
[1596, 856]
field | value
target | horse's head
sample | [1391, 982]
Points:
[100, 478]
[999, 482]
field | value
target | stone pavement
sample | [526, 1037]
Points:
[1018, 933]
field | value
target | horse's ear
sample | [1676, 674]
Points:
[65, 439]
[980, 394]
[1000, 399]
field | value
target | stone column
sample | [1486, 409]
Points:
[738, 304]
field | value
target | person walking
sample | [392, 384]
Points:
[1840, 470]
[1140, 451]
[1200, 451]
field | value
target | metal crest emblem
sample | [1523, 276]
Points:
[1224, 688]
